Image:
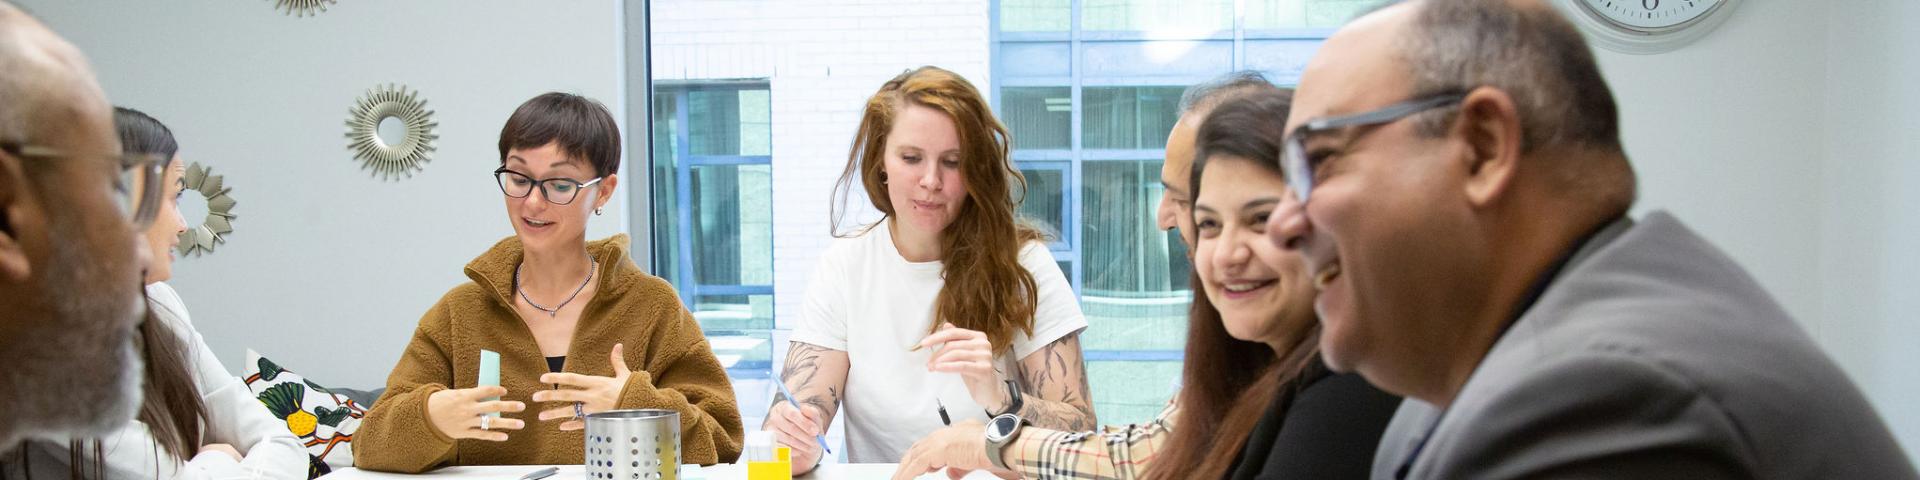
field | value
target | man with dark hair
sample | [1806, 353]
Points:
[70, 261]
[1459, 189]
[1176, 204]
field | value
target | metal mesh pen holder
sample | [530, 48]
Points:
[633, 445]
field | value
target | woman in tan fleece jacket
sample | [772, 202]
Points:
[579, 328]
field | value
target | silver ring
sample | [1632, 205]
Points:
[483, 421]
[579, 411]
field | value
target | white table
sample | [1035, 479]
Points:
[830, 471]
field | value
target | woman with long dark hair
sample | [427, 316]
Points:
[196, 420]
[1255, 402]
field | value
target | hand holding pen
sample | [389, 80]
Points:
[793, 424]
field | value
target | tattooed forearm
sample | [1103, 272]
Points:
[816, 375]
[1057, 392]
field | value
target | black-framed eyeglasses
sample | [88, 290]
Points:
[136, 188]
[1293, 156]
[558, 191]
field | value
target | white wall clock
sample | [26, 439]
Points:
[1647, 26]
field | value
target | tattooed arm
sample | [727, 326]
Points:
[818, 377]
[1056, 394]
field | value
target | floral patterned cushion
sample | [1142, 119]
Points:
[323, 419]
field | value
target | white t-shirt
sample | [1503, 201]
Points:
[866, 300]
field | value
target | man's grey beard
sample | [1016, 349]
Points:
[76, 375]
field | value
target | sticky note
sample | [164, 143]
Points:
[490, 374]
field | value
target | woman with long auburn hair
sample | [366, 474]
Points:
[948, 308]
[1256, 402]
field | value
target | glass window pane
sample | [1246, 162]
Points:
[729, 122]
[733, 224]
[1135, 290]
[756, 123]
[1044, 199]
[733, 312]
[1038, 117]
[666, 201]
[745, 354]
[1125, 251]
[1131, 391]
[1303, 13]
[1036, 15]
[1129, 117]
[713, 119]
[1157, 15]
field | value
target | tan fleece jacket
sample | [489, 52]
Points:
[673, 368]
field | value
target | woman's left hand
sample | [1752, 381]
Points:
[970, 354]
[594, 394]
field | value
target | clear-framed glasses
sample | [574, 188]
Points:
[558, 191]
[136, 188]
[1299, 168]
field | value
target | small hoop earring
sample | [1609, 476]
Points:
[597, 211]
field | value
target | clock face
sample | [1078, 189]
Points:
[1650, 16]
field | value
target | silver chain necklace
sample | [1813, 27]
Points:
[592, 266]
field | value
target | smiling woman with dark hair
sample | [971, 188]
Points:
[1256, 402]
[578, 327]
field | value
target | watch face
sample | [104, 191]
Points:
[1651, 16]
[1003, 425]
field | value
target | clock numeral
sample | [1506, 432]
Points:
[1650, 4]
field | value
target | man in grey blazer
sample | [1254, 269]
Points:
[1461, 193]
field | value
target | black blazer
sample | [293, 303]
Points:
[1328, 429]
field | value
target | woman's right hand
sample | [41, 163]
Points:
[457, 413]
[798, 430]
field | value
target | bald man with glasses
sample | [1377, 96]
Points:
[71, 207]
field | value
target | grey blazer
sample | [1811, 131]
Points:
[1650, 355]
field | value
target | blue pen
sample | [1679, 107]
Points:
[796, 406]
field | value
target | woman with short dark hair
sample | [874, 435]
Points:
[578, 327]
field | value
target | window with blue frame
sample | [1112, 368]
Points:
[1089, 91]
[713, 213]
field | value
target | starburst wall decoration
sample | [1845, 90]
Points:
[391, 158]
[200, 239]
[302, 8]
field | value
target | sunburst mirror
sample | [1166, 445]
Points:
[199, 239]
[302, 8]
[391, 131]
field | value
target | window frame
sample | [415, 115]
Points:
[684, 162]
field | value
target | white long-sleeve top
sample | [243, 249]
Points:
[235, 417]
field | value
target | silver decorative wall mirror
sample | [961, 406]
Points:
[301, 8]
[391, 131]
[214, 208]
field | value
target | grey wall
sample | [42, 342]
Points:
[1869, 275]
[329, 269]
[1788, 137]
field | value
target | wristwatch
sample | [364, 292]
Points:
[1001, 431]
[1014, 402]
